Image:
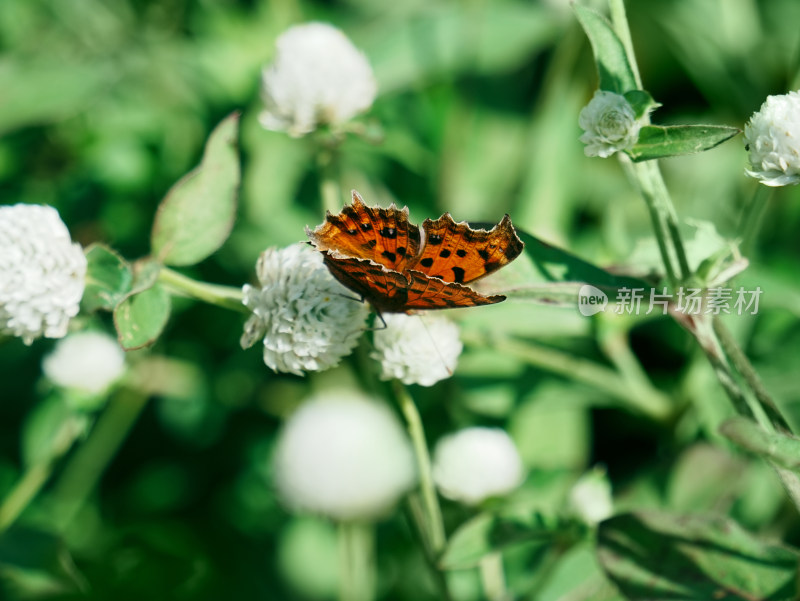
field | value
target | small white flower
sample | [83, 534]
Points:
[41, 273]
[475, 464]
[345, 456]
[772, 137]
[416, 349]
[609, 125]
[85, 361]
[307, 319]
[316, 77]
[590, 497]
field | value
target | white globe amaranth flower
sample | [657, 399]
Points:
[416, 349]
[590, 497]
[477, 463]
[87, 362]
[344, 456]
[772, 137]
[609, 125]
[317, 77]
[308, 321]
[41, 273]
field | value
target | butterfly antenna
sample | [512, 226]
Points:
[435, 346]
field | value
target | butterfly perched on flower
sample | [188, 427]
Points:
[397, 266]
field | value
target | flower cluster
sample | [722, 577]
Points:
[87, 362]
[475, 464]
[41, 273]
[317, 77]
[609, 125]
[772, 137]
[416, 349]
[344, 456]
[308, 321]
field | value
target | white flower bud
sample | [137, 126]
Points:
[87, 362]
[308, 320]
[590, 497]
[772, 137]
[416, 349]
[475, 464]
[41, 273]
[317, 77]
[343, 456]
[609, 125]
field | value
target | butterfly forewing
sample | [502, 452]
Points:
[382, 235]
[457, 253]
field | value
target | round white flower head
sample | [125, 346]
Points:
[772, 137]
[344, 456]
[590, 497]
[416, 349]
[86, 362]
[41, 273]
[307, 319]
[316, 77]
[609, 125]
[475, 464]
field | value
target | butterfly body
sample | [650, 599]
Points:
[397, 266]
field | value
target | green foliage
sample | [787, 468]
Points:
[167, 492]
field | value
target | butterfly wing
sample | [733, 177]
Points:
[457, 253]
[425, 292]
[384, 289]
[383, 236]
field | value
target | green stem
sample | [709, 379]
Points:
[37, 475]
[329, 186]
[652, 403]
[357, 564]
[492, 577]
[87, 464]
[214, 294]
[776, 421]
[434, 526]
[24, 491]
[752, 217]
[415, 514]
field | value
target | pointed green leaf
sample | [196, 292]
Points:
[613, 68]
[108, 279]
[142, 315]
[653, 556]
[548, 275]
[197, 214]
[657, 142]
[36, 564]
[641, 102]
[776, 447]
[486, 534]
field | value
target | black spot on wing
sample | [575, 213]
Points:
[461, 253]
[483, 254]
[426, 262]
[458, 274]
[389, 255]
[444, 254]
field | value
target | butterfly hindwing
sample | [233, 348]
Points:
[432, 293]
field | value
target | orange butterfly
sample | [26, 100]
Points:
[396, 266]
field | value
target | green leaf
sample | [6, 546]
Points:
[549, 275]
[486, 534]
[654, 556]
[36, 564]
[613, 68]
[108, 279]
[197, 214]
[641, 102]
[656, 141]
[142, 315]
[779, 448]
[49, 431]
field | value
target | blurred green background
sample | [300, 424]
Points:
[104, 104]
